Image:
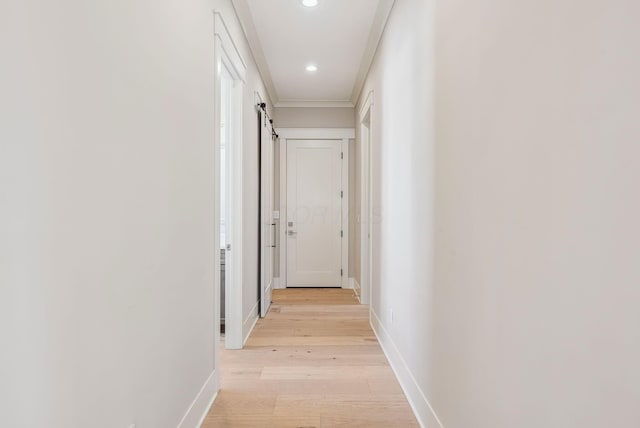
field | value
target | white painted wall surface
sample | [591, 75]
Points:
[106, 253]
[538, 172]
[314, 117]
[515, 289]
[403, 188]
[106, 211]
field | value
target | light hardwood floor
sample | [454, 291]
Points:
[312, 362]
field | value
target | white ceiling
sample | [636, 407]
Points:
[339, 36]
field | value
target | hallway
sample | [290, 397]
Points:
[312, 362]
[469, 170]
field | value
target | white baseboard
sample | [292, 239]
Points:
[277, 285]
[354, 284]
[201, 404]
[250, 323]
[425, 414]
[349, 284]
[268, 297]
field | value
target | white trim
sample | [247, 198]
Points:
[277, 285]
[381, 17]
[314, 103]
[421, 407]
[268, 292]
[377, 29]
[234, 294]
[199, 408]
[366, 195]
[250, 323]
[283, 213]
[243, 13]
[221, 31]
[344, 134]
[355, 285]
[226, 56]
[315, 134]
[257, 99]
[366, 105]
[344, 281]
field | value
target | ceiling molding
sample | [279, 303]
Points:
[315, 133]
[246, 21]
[377, 29]
[311, 103]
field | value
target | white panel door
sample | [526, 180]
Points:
[314, 213]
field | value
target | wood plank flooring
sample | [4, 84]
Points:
[312, 362]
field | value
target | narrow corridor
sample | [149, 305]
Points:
[312, 362]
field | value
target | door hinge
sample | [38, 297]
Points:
[341, 272]
[341, 155]
[342, 194]
[342, 233]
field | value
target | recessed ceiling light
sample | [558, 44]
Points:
[311, 68]
[310, 3]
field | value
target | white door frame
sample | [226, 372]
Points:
[366, 206]
[226, 56]
[339, 134]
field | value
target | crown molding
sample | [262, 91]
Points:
[313, 103]
[246, 22]
[316, 133]
[377, 29]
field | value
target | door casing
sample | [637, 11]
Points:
[344, 135]
[226, 58]
[366, 201]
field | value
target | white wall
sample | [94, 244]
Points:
[314, 117]
[106, 219]
[538, 148]
[403, 188]
[509, 181]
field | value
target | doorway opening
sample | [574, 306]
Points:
[225, 168]
[229, 201]
[314, 202]
[229, 75]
